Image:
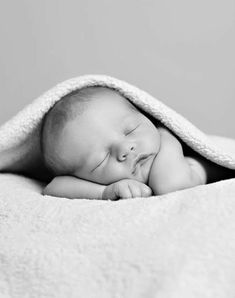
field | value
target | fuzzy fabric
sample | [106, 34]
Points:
[20, 136]
[180, 245]
[177, 245]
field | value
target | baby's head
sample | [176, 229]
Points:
[98, 135]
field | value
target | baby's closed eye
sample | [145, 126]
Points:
[130, 130]
[101, 162]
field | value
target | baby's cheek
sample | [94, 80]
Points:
[115, 172]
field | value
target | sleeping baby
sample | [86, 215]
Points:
[98, 145]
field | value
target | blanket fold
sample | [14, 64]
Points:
[20, 136]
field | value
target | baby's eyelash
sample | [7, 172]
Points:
[101, 162]
[132, 130]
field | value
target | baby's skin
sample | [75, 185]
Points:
[118, 152]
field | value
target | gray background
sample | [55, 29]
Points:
[182, 52]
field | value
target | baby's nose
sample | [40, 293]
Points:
[124, 151]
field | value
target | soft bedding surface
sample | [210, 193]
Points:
[177, 245]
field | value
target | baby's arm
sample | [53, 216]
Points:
[173, 171]
[75, 188]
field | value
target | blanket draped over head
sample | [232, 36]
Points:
[20, 136]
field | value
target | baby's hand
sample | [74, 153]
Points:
[126, 188]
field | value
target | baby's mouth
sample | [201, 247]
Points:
[139, 161]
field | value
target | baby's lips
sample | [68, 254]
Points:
[139, 161]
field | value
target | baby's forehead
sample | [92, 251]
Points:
[104, 105]
[107, 109]
[114, 98]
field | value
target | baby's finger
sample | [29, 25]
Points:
[125, 193]
[146, 191]
[135, 191]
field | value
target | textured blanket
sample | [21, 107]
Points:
[19, 137]
[180, 245]
[177, 245]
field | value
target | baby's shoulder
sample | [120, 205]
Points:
[168, 139]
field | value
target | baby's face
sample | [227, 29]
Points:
[110, 141]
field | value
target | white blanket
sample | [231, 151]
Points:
[177, 245]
